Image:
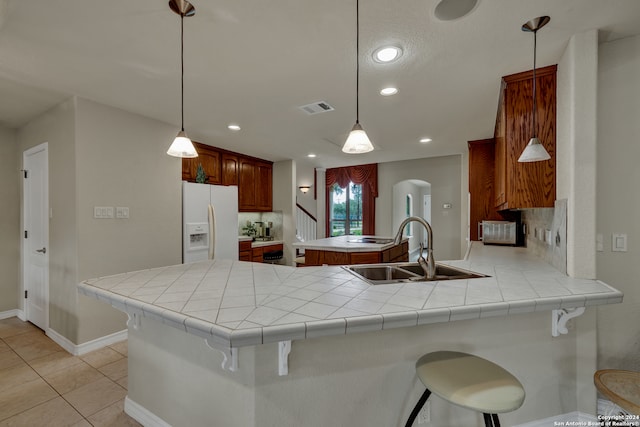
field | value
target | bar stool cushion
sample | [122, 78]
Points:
[470, 381]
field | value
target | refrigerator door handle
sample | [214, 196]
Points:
[212, 232]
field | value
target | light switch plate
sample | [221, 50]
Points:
[618, 242]
[122, 212]
[102, 212]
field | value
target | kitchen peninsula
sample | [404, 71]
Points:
[317, 346]
[342, 250]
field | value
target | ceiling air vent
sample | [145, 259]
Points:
[316, 107]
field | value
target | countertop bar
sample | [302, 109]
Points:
[259, 243]
[236, 304]
[345, 244]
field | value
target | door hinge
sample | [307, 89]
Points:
[25, 294]
[26, 173]
[26, 234]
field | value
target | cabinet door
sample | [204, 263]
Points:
[229, 169]
[264, 187]
[209, 158]
[481, 183]
[246, 185]
[530, 185]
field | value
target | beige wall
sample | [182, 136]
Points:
[9, 220]
[57, 128]
[618, 199]
[122, 161]
[365, 379]
[417, 192]
[445, 176]
[102, 156]
[576, 149]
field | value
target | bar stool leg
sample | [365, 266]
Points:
[487, 420]
[419, 405]
[496, 421]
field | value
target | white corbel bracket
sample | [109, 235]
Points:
[230, 356]
[284, 348]
[133, 320]
[559, 319]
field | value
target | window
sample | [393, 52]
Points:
[350, 200]
[346, 209]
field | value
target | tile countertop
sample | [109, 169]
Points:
[259, 243]
[236, 304]
[346, 244]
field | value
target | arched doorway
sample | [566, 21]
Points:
[412, 197]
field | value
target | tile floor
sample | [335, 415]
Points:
[43, 385]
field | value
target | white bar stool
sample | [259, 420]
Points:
[468, 381]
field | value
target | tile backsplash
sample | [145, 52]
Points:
[274, 217]
[546, 233]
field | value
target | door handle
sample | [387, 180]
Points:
[42, 251]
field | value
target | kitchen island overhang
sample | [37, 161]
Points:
[236, 304]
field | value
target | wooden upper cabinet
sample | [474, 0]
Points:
[229, 169]
[246, 185]
[525, 185]
[264, 187]
[481, 184]
[253, 176]
[209, 158]
[255, 185]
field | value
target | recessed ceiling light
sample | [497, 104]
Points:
[233, 127]
[425, 140]
[311, 155]
[387, 54]
[388, 91]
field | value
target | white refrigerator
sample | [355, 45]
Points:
[209, 222]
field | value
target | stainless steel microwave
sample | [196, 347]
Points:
[498, 232]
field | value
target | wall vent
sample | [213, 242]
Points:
[316, 107]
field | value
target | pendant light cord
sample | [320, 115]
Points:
[357, 61]
[182, 71]
[535, 33]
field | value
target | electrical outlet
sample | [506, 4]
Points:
[424, 416]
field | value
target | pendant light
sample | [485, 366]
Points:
[534, 151]
[182, 145]
[357, 142]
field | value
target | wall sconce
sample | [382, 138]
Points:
[304, 189]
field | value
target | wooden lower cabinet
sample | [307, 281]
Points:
[398, 253]
[245, 251]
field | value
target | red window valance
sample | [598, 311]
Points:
[367, 176]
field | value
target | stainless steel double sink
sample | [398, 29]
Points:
[384, 274]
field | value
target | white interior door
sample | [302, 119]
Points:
[35, 253]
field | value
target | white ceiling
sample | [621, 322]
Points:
[255, 62]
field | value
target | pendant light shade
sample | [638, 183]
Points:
[182, 145]
[357, 142]
[534, 151]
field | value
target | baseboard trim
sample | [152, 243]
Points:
[89, 346]
[579, 418]
[143, 415]
[13, 313]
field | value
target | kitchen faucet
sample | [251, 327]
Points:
[428, 265]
